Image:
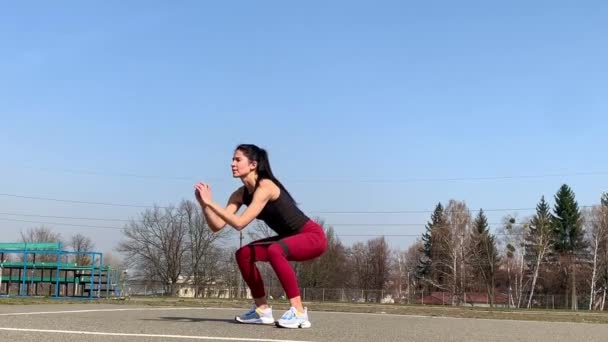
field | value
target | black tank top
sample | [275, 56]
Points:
[281, 215]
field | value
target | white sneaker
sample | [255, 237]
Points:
[256, 316]
[294, 319]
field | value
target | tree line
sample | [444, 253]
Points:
[168, 244]
[560, 249]
[563, 249]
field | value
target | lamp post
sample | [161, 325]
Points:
[239, 278]
[124, 281]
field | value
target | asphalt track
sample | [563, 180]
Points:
[111, 323]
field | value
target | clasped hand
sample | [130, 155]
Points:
[203, 193]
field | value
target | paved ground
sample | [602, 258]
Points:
[110, 323]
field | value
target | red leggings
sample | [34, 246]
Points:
[309, 243]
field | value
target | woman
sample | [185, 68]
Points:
[298, 237]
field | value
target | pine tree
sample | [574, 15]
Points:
[484, 253]
[423, 269]
[431, 248]
[540, 228]
[605, 199]
[568, 232]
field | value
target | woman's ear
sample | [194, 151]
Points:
[253, 165]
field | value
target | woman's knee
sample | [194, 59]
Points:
[243, 254]
[277, 250]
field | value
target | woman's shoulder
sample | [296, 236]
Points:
[265, 182]
[270, 187]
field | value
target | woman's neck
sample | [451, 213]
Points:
[250, 181]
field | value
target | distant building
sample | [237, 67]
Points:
[479, 299]
[209, 289]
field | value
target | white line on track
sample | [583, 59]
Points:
[94, 310]
[147, 335]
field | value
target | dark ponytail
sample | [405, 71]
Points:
[259, 155]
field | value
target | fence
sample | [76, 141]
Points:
[347, 295]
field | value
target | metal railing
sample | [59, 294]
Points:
[349, 295]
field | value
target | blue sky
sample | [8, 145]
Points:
[362, 106]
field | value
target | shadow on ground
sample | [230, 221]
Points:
[193, 319]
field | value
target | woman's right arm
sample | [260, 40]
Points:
[213, 220]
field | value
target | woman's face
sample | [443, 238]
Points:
[241, 165]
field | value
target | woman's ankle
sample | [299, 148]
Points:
[261, 303]
[296, 303]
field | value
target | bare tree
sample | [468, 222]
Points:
[454, 242]
[39, 235]
[202, 252]
[325, 271]
[603, 264]
[156, 245]
[260, 230]
[379, 254]
[359, 267]
[596, 222]
[80, 243]
[113, 260]
[369, 265]
[406, 264]
[512, 243]
[398, 273]
[539, 241]
[228, 270]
